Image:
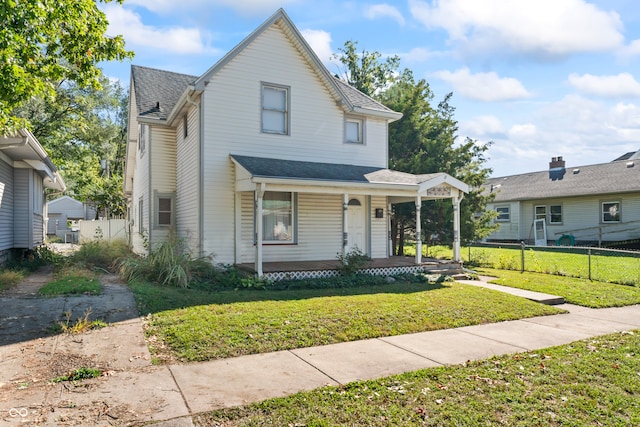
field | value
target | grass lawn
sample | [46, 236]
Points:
[71, 285]
[575, 291]
[591, 382]
[214, 325]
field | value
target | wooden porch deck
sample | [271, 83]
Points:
[325, 265]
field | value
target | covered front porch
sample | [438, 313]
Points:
[295, 270]
[303, 212]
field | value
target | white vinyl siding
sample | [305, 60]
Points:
[6, 205]
[187, 181]
[508, 230]
[22, 208]
[232, 126]
[162, 153]
[379, 228]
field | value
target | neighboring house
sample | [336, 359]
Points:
[65, 209]
[25, 171]
[266, 157]
[586, 204]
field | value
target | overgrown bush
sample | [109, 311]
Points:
[100, 254]
[352, 262]
[169, 263]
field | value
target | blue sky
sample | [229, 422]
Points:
[540, 78]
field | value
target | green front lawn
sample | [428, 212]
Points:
[575, 291]
[586, 383]
[214, 325]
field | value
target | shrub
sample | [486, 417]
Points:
[100, 254]
[352, 262]
[170, 264]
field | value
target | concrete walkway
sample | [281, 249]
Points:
[179, 391]
[238, 381]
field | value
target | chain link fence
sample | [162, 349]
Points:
[606, 265]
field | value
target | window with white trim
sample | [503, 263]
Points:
[275, 109]
[541, 212]
[164, 207]
[504, 213]
[610, 212]
[278, 209]
[555, 214]
[354, 132]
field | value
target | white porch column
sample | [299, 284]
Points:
[456, 227]
[259, 194]
[345, 224]
[418, 231]
[389, 230]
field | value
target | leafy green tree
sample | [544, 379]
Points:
[46, 42]
[364, 70]
[82, 128]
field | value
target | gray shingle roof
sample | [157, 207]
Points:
[155, 87]
[607, 178]
[359, 99]
[289, 169]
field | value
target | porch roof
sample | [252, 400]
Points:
[277, 171]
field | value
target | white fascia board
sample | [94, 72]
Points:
[336, 187]
[392, 116]
[444, 179]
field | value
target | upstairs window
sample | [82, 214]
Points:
[143, 133]
[354, 131]
[275, 109]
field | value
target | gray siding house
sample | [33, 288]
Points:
[590, 205]
[25, 172]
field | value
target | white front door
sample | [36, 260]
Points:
[356, 224]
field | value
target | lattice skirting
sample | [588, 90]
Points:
[276, 276]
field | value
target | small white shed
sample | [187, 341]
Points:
[65, 209]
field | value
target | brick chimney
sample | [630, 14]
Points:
[556, 168]
[556, 163]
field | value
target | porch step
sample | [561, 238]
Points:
[447, 268]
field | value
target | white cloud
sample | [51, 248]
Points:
[384, 10]
[631, 50]
[320, 42]
[482, 127]
[545, 28]
[136, 33]
[245, 7]
[484, 86]
[622, 85]
[522, 131]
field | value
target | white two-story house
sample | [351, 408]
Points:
[266, 157]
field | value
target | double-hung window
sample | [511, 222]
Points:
[275, 109]
[165, 207]
[541, 212]
[555, 214]
[354, 131]
[278, 217]
[504, 214]
[610, 211]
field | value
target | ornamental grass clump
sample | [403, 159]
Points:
[168, 263]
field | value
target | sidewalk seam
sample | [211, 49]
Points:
[316, 368]
[409, 351]
[184, 398]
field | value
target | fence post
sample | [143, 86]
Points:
[589, 256]
[522, 256]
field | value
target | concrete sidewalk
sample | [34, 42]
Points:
[238, 381]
